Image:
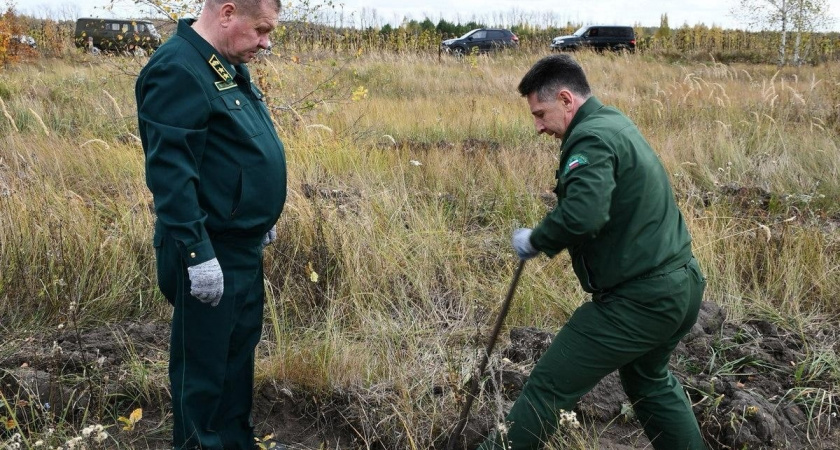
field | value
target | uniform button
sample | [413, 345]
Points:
[237, 103]
[192, 255]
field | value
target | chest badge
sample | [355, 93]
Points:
[227, 79]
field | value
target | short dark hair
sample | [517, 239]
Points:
[552, 73]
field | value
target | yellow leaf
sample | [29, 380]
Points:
[360, 93]
[128, 425]
[132, 419]
[10, 424]
[136, 415]
[313, 275]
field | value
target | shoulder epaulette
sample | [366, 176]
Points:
[227, 79]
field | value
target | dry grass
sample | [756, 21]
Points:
[402, 203]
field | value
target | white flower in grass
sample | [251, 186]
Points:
[414, 162]
[568, 419]
[100, 437]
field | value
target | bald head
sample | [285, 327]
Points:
[245, 6]
[238, 29]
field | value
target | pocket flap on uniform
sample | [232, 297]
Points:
[233, 102]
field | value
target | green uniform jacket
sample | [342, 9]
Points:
[615, 210]
[214, 163]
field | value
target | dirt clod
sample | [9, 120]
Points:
[749, 382]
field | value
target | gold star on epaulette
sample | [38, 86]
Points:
[227, 79]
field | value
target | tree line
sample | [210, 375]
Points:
[697, 43]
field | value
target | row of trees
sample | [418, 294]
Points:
[442, 28]
[805, 19]
[303, 30]
[53, 38]
[776, 19]
[800, 17]
[686, 42]
[11, 48]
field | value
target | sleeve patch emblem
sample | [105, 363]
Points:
[575, 161]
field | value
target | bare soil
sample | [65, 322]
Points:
[746, 380]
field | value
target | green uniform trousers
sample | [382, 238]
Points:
[211, 361]
[632, 329]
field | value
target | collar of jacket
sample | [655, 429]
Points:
[589, 106]
[207, 51]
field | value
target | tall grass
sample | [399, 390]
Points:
[394, 246]
[75, 228]
[717, 128]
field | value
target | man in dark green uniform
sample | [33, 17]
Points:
[630, 249]
[217, 171]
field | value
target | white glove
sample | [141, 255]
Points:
[207, 283]
[270, 236]
[522, 244]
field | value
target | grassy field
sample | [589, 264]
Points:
[406, 177]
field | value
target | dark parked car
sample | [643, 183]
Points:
[484, 39]
[597, 37]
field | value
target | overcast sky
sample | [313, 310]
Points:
[491, 12]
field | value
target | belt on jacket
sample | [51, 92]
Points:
[659, 271]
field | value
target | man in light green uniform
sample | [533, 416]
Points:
[216, 169]
[630, 249]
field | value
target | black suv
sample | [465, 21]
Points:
[485, 39]
[597, 37]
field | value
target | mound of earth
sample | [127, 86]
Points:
[748, 382]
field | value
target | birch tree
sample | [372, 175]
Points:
[809, 16]
[799, 16]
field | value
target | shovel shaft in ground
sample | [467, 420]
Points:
[475, 379]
